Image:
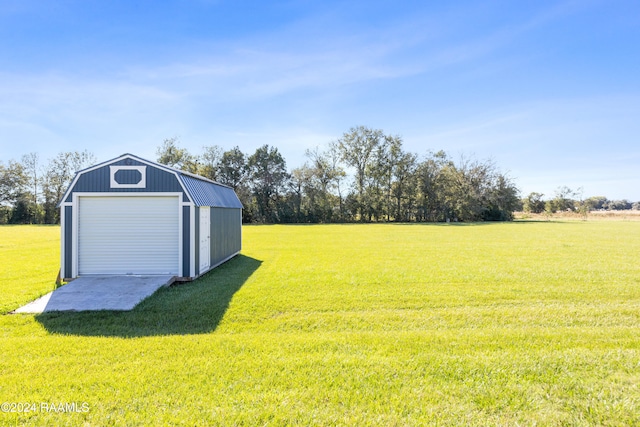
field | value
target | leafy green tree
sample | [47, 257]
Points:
[320, 179]
[563, 200]
[382, 174]
[268, 174]
[233, 172]
[303, 195]
[356, 148]
[533, 203]
[431, 182]
[468, 187]
[24, 210]
[5, 214]
[549, 208]
[232, 169]
[618, 205]
[172, 155]
[13, 183]
[502, 199]
[454, 193]
[596, 202]
[404, 186]
[337, 177]
[208, 164]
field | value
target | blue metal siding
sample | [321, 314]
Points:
[128, 162]
[68, 236]
[99, 181]
[205, 193]
[226, 233]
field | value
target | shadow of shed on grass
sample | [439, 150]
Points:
[192, 308]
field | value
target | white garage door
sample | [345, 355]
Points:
[128, 235]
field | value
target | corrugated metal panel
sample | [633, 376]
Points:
[186, 241]
[206, 193]
[98, 181]
[67, 229]
[226, 226]
[128, 235]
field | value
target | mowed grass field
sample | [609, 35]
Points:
[29, 263]
[524, 323]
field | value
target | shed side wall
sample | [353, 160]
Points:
[226, 233]
[68, 241]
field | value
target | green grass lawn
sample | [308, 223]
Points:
[29, 263]
[525, 323]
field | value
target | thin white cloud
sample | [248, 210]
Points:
[304, 56]
[52, 113]
[254, 72]
[268, 88]
[588, 142]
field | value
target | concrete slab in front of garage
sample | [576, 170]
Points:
[92, 293]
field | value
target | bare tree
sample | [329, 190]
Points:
[31, 168]
[58, 176]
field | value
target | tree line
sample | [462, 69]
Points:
[363, 176]
[31, 190]
[567, 200]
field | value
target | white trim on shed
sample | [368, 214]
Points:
[112, 237]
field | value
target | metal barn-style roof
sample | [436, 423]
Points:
[208, 193]
[200, 190]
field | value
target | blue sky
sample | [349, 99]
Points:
[549, 90]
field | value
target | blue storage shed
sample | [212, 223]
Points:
[131, 216]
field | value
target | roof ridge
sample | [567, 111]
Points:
[180, 171]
